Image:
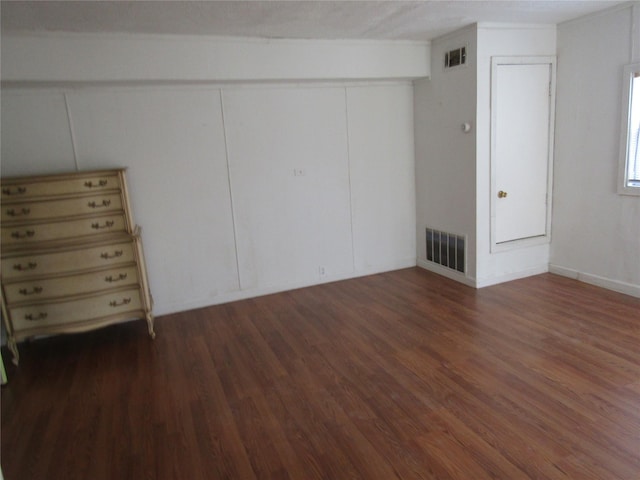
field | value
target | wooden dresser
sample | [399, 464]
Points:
[72, 259]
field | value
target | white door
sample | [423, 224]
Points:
[521, 139]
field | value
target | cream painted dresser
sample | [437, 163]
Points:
[72, 259]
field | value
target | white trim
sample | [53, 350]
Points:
[351, 206]
[72, 132]
[625, 118]
[483, 282]
[597, 280]
[230, 184]
[447, 272]
[522, 60]
[520, 242]
[225, 297]
[508, 277]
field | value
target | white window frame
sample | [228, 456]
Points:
[624, 188]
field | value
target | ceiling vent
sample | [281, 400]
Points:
[455, 57]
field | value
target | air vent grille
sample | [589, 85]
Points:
[455, 57]
[446, 249]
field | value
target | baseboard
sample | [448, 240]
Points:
[598, 281]
[166, 309]
[508, 277]
[482, 282]
[447, 272]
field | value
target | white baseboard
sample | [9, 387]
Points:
[165, 309]
[483, 282]
[447, 272]
[608, 283]
[622, 287]
[508, 277]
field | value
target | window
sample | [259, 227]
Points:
[630, 132]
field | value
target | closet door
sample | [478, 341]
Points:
[521, 127]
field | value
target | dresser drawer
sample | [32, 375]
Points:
[16, 188]
[90, 205]
[46, 289]
[44, 315]
[67, 230]
[71, 259]
[19, 267]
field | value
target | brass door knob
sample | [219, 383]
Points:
[502, 194]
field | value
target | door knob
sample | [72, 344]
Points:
[502, 194]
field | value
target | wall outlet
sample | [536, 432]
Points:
[298, 172]
[322, 271]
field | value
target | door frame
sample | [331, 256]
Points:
[521, 60]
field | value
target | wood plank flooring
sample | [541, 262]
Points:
[402, 375]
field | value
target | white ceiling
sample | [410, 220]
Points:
[410, 20]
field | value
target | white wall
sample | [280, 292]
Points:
[29, 113]
[502, 40]
[596, 232]
[172, 142]
[445, 156]
[453, 169]
[289, 226]
[382, 176]
[99, 58]
[211, 175]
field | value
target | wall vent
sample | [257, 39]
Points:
[455, 57]
[446, 249]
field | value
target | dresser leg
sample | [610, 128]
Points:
[13, 347]
[152, 334]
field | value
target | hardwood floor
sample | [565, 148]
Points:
[402, 375]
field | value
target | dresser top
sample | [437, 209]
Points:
[60, 176]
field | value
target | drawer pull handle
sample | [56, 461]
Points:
[33, 291]
[107, 224]
[41, 316]
[106, 256]
[26, 234]
[115, 303]
[111, 278]
[105, 203]
[17, 191]
[18, 213]
[22, 268]
[101, 183]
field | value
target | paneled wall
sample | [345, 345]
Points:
[596, 231]
[240, 189]
[289, 171]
